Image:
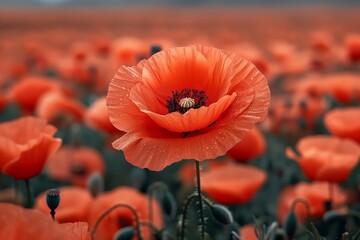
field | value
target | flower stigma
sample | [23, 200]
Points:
[185, 100]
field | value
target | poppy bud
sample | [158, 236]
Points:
[95, 184]
[154, 49]
[221, 214]
[331, 216]
[168, 204]
[53, 199]
[126, 233]
[291, 223]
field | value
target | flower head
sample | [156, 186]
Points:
[22, 224]
[25, 146]
[343, 123]
[326, 158]
[233, 183]
[185, 103]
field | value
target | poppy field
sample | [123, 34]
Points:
[180, 123]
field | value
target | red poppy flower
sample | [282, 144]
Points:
[18, 223]
[326, 158]
[321, 42]
[247, 232]
[127, 50]
[233, 183]
[315, 194]
[25, 145]
[185, 103]
[27, 99]
[74, 204]
[57, 108]
[288, 110]
[344, 123]
[352, 43]
[97, 116]
[249, 148]
[122, 217]
[75, 165]
[342, 86]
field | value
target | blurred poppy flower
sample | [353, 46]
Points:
[191, 102]
[352, 44]
[59, 109]
[233, 183]
[316, 194]
[287, 112]
[342, 86]
[18, 223]
[321, 42]
[249, 148]
[254, 55]
[122, 217]
[27, 99]
[127, 50]
[187, 173]
[25, 145]
[74, 204]
[97, 116]
[326, 158]
[343, 122]
[75, 164]
[247, 232]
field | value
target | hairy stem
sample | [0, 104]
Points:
[28, 193]
[202, 219]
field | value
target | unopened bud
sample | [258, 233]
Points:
[221, 214]
[168, 204]
[53, 198]
[291, 223]
[126, 233]
[154, 49]
[95, 184]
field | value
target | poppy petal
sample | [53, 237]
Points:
[32, 158]
[120, 107]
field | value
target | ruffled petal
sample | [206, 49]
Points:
[174, 70]
[22, 130]
[123, 113]
[9, 151]
[32, 160]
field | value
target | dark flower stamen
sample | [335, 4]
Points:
[186, 99]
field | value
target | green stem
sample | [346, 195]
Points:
[307, 206]
[98, 221]
[202, 219]
[17, 195]
[151, 192]
[331, 195]
[28, 194]
[52, 213]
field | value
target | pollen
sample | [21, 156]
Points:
[187, 102]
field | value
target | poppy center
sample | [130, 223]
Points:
[186, 99]
[124, 222]
[78, 170]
